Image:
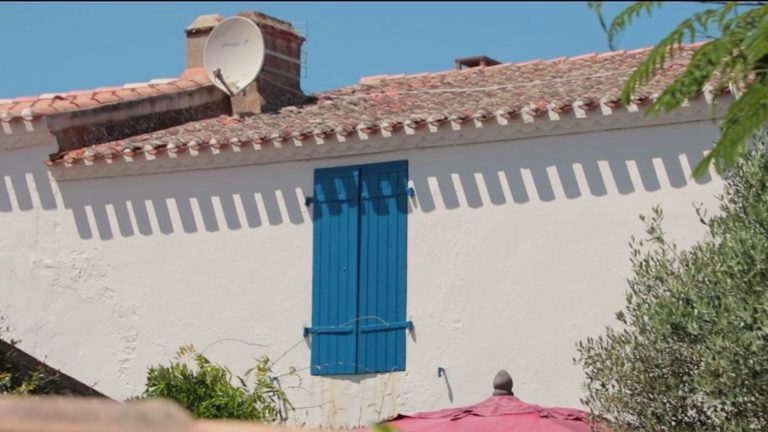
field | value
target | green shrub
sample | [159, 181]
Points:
[26, 384]
[692, 350]
[16, 380]
[206, 389]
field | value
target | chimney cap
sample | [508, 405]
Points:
[263, 20]
[203, 23]
[472, 62]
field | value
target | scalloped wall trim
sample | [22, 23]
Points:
[358, 142]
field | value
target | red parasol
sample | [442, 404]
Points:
[502, 412]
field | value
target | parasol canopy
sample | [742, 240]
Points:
[502, 412]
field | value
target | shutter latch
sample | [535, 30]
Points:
[328, 330]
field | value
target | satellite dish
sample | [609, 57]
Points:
[234, 54]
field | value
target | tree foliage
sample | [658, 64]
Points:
[692, 350]
[738, 55]
[206, 389]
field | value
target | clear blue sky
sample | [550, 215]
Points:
[51, 47]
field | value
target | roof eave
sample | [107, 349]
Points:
[484, 129]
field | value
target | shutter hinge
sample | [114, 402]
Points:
[387, 326]
[308, 201]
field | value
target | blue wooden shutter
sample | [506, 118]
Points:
[334, 274]
[383, 233]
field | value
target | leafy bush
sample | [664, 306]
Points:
[692, 353]
[16, 380]
[26, 384]
[206, 390]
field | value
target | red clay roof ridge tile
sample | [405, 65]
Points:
[381, 77]
[29, 107]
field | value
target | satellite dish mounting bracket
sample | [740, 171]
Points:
[217, 73]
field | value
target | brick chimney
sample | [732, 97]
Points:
[279, 82]
[197, 33]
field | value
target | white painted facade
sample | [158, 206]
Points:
[517, 249]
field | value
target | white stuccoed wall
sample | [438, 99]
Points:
[516, 251]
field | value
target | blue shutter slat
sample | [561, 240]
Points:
[352, 251]
[401, 263]
[385, 265]
[383, 230]
[367, 279]
[390, 338]
[369, 311]
[334, 274]
[336, 237]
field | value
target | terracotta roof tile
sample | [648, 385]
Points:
[165, 88]
[42, 103]
[382, 102]
[85, 102]
[44, 110]
[21, 105]
[131, 94]
[193, 72]
[186, 84]
[147, 91]
[105, 97]
[49, 103]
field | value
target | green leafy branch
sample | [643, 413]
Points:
[738, 57]
[207, 390]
